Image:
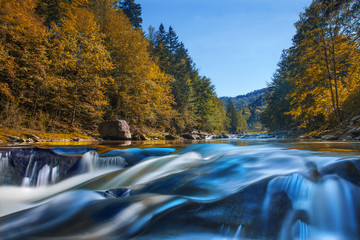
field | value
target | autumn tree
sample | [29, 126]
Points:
[327, 58]
[321, 70]
[70, 64]
[82, 63]
[23, 71]
[140, 92]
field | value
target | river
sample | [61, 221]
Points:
[214, 189]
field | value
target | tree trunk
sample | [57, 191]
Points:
[330, 79]
[335, 81]
[74, 106]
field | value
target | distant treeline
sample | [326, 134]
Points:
[317, 84]
[248, 109]
[71, 64]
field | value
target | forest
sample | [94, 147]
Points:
[316, 87]
[248, 108]
[68, 65]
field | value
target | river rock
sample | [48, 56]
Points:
[136, 135]
[348, 170]
[188, 136]
[329, 137]
[191, 136]
[33, 137]
[355, 120]
[346, 137]
[115, 130]
[170, 137]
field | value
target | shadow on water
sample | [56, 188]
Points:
[209, 189]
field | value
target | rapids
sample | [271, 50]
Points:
[199, 191]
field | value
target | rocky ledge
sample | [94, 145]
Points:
[346, 132]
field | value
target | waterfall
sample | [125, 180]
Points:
[4, 163]
[26, 182]
[91, 161]
[4, 160]
[54, 174]
[317, 208]
[339, 196]
[203, 191]
[43, 176]
[39, 176]
[238, 233]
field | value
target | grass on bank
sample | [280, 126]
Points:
[46, 136]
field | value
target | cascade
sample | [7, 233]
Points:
[4, 163]
[91, 161]
[317, 208]
[54, 174]
[210, 191]
[238, 233]
[42, 177]
[4, 160]
[39, 176]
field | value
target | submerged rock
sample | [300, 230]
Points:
[115, 130]
[348, 170]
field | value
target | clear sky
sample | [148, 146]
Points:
[236, 43]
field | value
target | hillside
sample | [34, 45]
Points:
[243, 100]
[250, 106]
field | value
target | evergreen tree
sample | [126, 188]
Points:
[132, 10]
[232, 115]
[172, 42]
[203, 102]
[275, 116]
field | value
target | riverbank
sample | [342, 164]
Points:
[346, 131]
[25, 135]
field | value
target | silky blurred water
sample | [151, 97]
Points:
[223, 189]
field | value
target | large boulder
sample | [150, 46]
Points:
[115, 130]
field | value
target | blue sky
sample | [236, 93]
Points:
[236, 43]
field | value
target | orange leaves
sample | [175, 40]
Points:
[140, 91]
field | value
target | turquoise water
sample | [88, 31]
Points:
[224, 189]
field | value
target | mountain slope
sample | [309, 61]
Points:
[249, 105]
